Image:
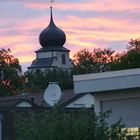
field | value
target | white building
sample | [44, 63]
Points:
[116, 90]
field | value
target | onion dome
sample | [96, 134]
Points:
[52, 35]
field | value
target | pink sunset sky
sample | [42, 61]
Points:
[87, 23]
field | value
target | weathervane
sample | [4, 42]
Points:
[51, 3]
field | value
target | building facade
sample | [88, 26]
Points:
[118, 91]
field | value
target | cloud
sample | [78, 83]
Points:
[87, 24]
[100, 5]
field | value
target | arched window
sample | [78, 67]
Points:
[63, 59]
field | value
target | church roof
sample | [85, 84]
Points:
[51, 39]
[52, 35]
[53, 48]
[42, 63]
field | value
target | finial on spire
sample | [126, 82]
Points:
[51, 1]
[51, 19]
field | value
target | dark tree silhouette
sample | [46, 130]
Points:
[10, 74]
[59, 124]
[129, 59]
[92, 62]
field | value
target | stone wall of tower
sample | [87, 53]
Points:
[58, 61]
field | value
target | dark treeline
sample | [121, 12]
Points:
[57, 124]
[39, 80]
[99, 60]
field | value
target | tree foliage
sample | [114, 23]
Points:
[59, 124]
[130, 58]
[10, 73]
[100, 60]
[91, 62]
[38, 80]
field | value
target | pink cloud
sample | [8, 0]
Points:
[106, 5]
[78, 34]
[81, 32]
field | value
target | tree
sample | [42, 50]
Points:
[83, 62]
[59, 124]
[39, 80]
[10, 74]
[134, 44]
[101, 60]
[129, 59]
[91, 62]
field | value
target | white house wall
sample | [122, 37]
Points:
[107, 81]
[86, 101]
[118, 91]
[124, 104]
[24, 104]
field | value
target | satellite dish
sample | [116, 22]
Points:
[52, 94]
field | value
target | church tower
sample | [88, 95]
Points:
[53, 54]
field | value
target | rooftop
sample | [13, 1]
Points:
[107, 81]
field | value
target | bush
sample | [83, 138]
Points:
[61, 124]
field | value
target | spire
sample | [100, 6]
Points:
[52, 35]
[51, 15]
[51, 1]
